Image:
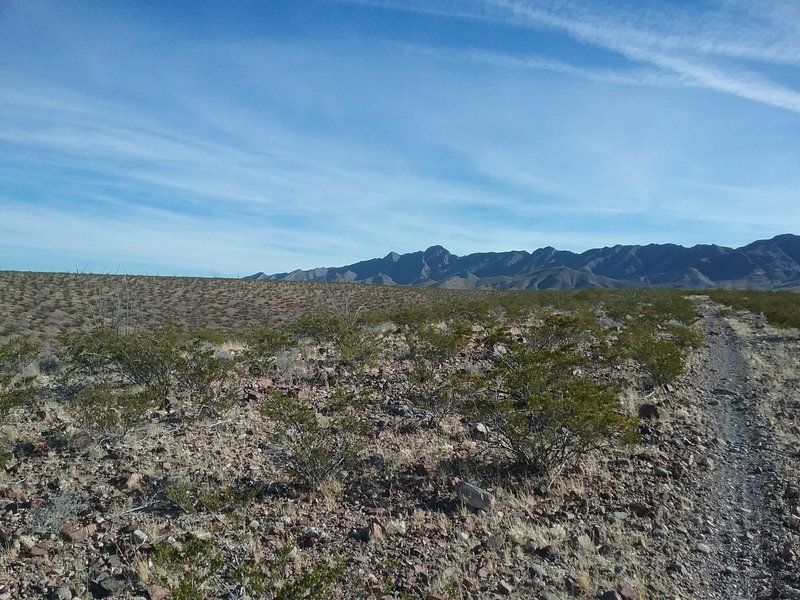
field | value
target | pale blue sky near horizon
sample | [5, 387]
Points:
[225, 138]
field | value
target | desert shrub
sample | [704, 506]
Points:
[315, 447]
[438, 342]
[438, 393]
[661, 358]
[112, 413]
[58, 510]
[48, 365]
[654, 306]
[145, 359]
[200, 567]
[15, 387]
[154, 363]
[781, 308]
[188, 567]
[559, 332]
[202, 375]
[356, 345]
[316, 582]
[262, 346]
[545, 418]
[684, 337]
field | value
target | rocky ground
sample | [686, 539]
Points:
[705, 506]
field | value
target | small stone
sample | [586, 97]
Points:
[114, 561]
[731, 570]
[156, 592]
[401, 410]
[139, 537]
[479, 431]
[505, 588]
[474, 496]
[537, 571]
[707, 462]
[627, 592]
[311, 537]
[703, 548]
[648, 411]
[61, 593]
[610, 595]
[254, 524]
[134, 482]
[375, 530]
[496, 542]
[676, 568]
[105, 586]
[620, 515]
[265, 384]
[791, 493]
[549, 595]
[661, 472]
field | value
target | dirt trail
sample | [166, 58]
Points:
[740, 503]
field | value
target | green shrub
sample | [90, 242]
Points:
[317, 582]
[188, 567]
[262, 344]
[439, 393]
[144, 359]
[559, 332]
[356, 345]
[661, 357]
[545, 418]
[201, 375]
[781, 308]
[15, 388]
[437, 343]
[316, 448]
[109, 412]
[151, 363]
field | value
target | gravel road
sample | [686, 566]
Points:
[748, 546]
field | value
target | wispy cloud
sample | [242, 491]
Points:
[685, 48]
[143, 143]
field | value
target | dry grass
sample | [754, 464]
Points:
[45, 304]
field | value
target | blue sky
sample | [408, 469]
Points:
[225, 138]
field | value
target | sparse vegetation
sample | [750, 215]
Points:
[782, 309]
[15, 386]
[315, 448]
[309, 480]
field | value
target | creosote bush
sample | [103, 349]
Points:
[141, 367]
[316, 448]
[660, 352]
[15, 387]
[438, 342]
[544, 417]
[112, 413]
[356, 345]
[262, 346]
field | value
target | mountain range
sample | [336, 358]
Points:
[763, 264]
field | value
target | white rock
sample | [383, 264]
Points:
[474, 496]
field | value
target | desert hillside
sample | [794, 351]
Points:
[194, 439]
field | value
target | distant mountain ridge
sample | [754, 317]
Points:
[764, 264]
